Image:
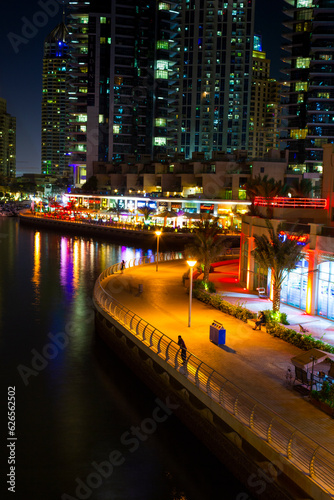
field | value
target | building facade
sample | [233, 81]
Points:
[310, 286]
[55, 104]
[309, 107]
[265, 108]
[7, 141]
[215, 71]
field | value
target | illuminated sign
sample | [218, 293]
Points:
[206, 208]
[301, 239]
[141, 204]
[152, 204]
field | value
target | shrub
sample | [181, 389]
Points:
[274, 328]
[202, 285]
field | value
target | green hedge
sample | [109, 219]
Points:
[275, 329]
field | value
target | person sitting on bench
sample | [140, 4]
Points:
[261, 320]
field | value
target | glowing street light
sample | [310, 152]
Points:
[191, 264]
[158, 233]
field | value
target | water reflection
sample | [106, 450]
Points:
[36, 276]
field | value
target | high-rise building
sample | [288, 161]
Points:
[152, 78]
[55, 103]
[216, 43]
[264, 120]
[122, 87]
[7, 141]
[310, 95]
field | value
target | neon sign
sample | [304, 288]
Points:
[301, 239]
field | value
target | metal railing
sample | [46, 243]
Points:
[314, 460]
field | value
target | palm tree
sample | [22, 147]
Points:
[146, 212]
[278, 254]
[207, 245]
[266, 188]
[302, 188]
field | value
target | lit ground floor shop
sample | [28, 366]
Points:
[310, 286]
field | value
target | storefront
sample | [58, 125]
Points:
[310, 286]
[326, 289]
[294, 287]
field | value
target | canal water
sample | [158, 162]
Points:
[85, 427]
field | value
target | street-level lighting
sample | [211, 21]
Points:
[158, 233]
[191, 264]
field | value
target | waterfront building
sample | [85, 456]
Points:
[215, 72]
[123, 82]
[55, 104]
[7, 141]
[310, 96]
[265, 108]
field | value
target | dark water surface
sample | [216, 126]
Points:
[77, 405]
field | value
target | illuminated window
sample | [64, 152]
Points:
[160, 141]
[160, 122]
[81, 147]
[300, 98]
[103, 20]
[162, 64]
[163, 44]
[303, 62]
[164, 6]
[102, 40]
[304, 3]
[82, 118]
[325, 95]
[301, 86]
[298, 133]
[101, 118]
[83, 50]
[83, 128]
[116, 129]
[325, 57]
[161, 74]
[83, 90]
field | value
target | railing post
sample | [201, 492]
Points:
[311, 469]
[167, 354]
[196, 374]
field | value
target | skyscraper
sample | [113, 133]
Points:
[151, 78]
[55, 103]
[7, 141]
[264, 121]
[216, 44]
[310, 96]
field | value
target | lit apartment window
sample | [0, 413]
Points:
[162, 64]
[82, 118]
[116, 129]
[324, 95]
[83, 128]
[103, 20]
[160, 141]
[102, 40]
[325, 57]
[163, 44]
[298, 133]
[160, 122]
[303, 62]
[304, 3]
[301, 86]
[161, 74]
[164, 6]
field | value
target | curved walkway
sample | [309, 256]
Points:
[254, 361]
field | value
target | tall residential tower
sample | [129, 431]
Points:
[7, 141]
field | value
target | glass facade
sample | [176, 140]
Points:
[326, 290]
[294, 288]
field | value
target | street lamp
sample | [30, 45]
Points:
[191, 264]
[158, 233]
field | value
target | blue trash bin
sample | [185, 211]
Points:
[217, 333]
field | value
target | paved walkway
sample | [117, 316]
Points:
[226, 281]
[253, 360]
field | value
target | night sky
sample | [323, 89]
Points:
[21, 65]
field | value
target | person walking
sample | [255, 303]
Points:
[183, 349]
[122, 266]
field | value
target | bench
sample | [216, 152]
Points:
[262, 293]
[251, 322]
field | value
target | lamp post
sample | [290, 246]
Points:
[191, 264]
[158, 233]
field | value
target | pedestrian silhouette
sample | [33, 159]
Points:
[183, 349]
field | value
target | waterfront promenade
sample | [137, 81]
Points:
[252, 360]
